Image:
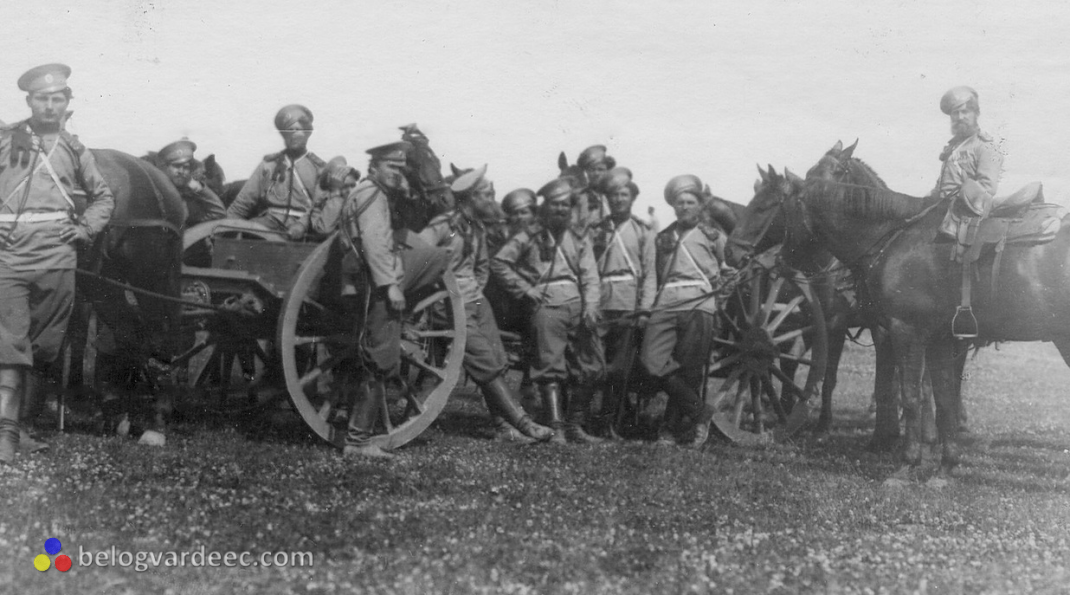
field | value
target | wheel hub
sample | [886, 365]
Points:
[758, 349]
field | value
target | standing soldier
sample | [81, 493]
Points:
[624, 247]
[282, 189]
[464, 235]
[679, 336]
[387, 263]
[519, 207]
[201, 203]
[43, 169]
[591, 204]
[552, 268]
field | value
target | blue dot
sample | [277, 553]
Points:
[53, 546]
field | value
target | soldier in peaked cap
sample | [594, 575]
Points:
[390, 263]
[972, 163]
[591, 204]
[624, 249]
[43, 168]
[202, 203]
[463, 234]
[282, 189]
[679, 336]
[552, 268]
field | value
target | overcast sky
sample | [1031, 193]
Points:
[702, 87]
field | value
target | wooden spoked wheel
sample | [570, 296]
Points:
[769, 358]
[319, 348]
[228, 358]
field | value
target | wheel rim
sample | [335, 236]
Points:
[770, 358]
[432, 343]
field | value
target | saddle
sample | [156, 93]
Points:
[1018, 219]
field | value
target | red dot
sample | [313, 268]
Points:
[63, 563]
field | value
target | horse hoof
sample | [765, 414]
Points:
[899, 479]
[152, 438]
[952, 455]
[937, 482]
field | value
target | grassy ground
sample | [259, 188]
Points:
[460, 514]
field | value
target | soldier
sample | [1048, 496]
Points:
[972, 163]
[201, 203]
[591, 205]
[43, 170]
[461, 231]
[552, 268]
[282, 189]
[624, 247]
[519, 207]
[389, 264]
[679, 336]
[336, 182]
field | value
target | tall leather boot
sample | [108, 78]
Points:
[10, 397]
[579, 401]
[503, 430]
[362, 419]
[30, 409]
[607, 415]
[689, 404]
[500, 400]
[551, 398]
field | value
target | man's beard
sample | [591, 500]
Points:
[962, 129]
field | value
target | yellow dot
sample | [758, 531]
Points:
[42, 562]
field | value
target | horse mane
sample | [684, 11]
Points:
[862, 202]
[869, 171]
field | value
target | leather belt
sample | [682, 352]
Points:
[287, 212]
[618, 278]
[34, 217]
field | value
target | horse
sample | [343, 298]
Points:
[139, 251]
[888, 240]
[762, 226]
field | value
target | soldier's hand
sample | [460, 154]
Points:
[72, 234]
[642, 320]
[194, 185]
[296, 231]
[535, 296]
[396, 298]
[591, 317]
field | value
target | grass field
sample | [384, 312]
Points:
[460, 514]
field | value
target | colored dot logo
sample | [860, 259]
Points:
[43, 562]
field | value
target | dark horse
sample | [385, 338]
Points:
[141, 249]
[888, 240]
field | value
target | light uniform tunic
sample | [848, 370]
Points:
[626, 261]
[36, 268]
[563, 277]
[280, 192]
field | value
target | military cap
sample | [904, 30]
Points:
[615, 178]
[958, 96]
[469, 179]
[293, 113]
[48, 78]
[518, 199]
[179, 151]
[396, 151]
[338, 169]
[593, 155]
[556, 189]
[683, 184]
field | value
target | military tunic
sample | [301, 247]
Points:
[561, 277]
[679, 336]
[36, 268]
[484, 354]
[280, 192]
[386, 257]
[626, 257]
[202, 205]
[975, 158]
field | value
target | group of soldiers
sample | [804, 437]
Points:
[602, 291]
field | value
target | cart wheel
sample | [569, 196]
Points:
[226, 360]
[317, 341]
[769, 358]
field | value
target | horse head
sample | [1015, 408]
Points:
[762, 225]
[423, 171]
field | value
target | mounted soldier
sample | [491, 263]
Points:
[552, 268]
[683, 323]
[387, 263]
[55, 200]
[463, 234]
[971, 168]
[624, 249]
[202, 204]
[282, 189]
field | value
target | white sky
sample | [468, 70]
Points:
[702, 87]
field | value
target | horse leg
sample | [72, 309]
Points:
[941, 365]
[961, 350]
[909, 343]
[837, 338]
[885, 394]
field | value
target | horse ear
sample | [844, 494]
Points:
[562, 161]
[791, 177]
[455, 170]
[836, 148]
[772, 172]
[849, 151]
[761, 172]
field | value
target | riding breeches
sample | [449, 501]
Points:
[35, 307]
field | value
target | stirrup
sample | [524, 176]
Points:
[968, 327]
